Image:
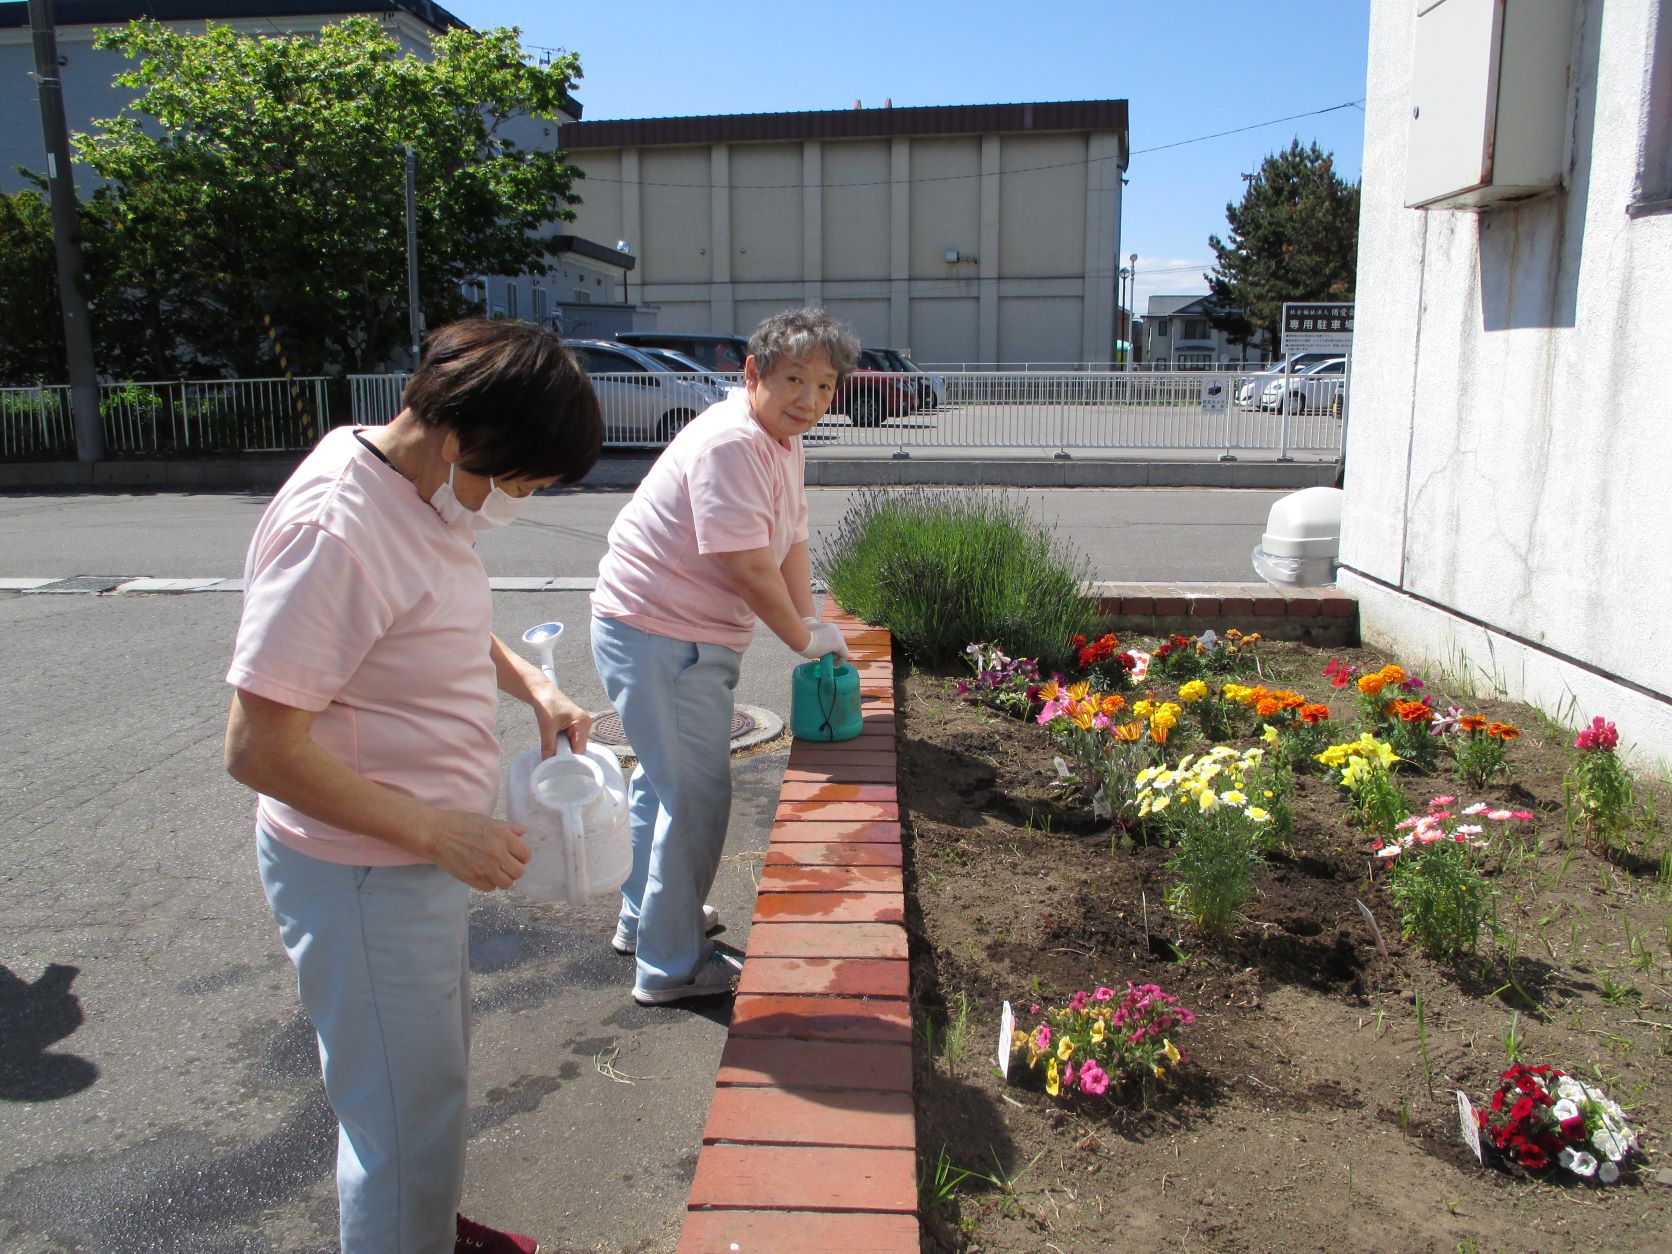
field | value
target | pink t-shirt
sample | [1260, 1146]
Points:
[724, 485]
[361, 604]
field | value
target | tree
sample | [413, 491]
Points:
[31, 330]
[274, 194]
[1293, 237]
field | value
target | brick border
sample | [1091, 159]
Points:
[1321, 616]
[811, 1141]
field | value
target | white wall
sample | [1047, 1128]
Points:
[1506, 459]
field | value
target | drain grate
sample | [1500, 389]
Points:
[607, 728]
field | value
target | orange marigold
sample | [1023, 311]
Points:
[1471, 722]
[1113, 704]
[1392, 674]
[1268, 706]
[1289, 700]
[1411, 711]
[1314, 713]
[1504, 731]
[1370, 685]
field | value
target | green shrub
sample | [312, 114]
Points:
[1443, 898]
[942, 568]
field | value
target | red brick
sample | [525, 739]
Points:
[831, 879]
[800, 1117]
[810, 854]
[754, 1177]
[1339, 605]
[808, 755]
[778, 1232]
[1268, 605]
[799, 790]
[883, 1022]
[845, 831]
[1304, 605]
[838, 811]
[826, 940]
[1202, 606]
[1137, 603]
[842, 773]
[777, 1062]
[1172, 604]
[1233, 607]
[830, 908]
[888, 978]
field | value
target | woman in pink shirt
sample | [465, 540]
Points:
[714, 539]
[366, 676]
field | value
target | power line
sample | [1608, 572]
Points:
[951, 178]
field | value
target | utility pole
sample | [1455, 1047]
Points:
[66, 239]
[1132, 286]
[414, 316]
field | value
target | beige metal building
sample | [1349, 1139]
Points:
[978, 233]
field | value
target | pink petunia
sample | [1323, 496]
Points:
[1103, 994]
[1078, 1001]
[1093, 1079]
[1050, 710]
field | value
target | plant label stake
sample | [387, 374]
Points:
[1469, 1125]
[1007, 1025]
[1381, 945]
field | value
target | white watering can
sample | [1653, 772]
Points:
[572, 808]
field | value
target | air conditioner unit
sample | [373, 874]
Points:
[1491, 102]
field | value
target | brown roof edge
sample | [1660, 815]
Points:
[1060, 115]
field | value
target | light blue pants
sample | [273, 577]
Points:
[675, 702]
[382, 964]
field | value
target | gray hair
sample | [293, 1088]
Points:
[804, 333]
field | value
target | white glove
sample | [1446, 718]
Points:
[827, 638]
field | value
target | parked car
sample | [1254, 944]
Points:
[1316, 387]
[872, 394]
[1250, 386]
[694, 371]
[930, 389]
[724, 353]
[643, 401]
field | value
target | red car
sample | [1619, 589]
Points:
[871, 397]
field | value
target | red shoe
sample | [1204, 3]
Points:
[474, 1237]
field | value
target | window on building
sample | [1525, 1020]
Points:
[537, 299]
[1195, 329]
[511, 301]
[1160, 325]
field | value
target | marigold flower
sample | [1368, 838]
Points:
[1504, 731]
[1112, 704]
[1370, 685]
[1392, 674]
[1195, 690]
[1289, 700]
[1314, 712]
[1268, 706]
[1471, 722]
[1411, 711]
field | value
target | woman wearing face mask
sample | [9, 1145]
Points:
[366, 676]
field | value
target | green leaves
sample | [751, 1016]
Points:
[1293, 237]
[277, 188]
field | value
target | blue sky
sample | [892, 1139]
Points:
[1189, 69]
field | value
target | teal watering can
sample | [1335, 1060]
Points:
[824, 701]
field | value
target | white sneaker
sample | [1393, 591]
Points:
[716, 977]
[625, 942]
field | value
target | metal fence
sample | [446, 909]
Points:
[1052, 411]
[182, 417]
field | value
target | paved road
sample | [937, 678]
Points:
[1141, 534]
[158, 1085]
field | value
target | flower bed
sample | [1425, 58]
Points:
[1346, 893]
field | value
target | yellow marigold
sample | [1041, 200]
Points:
[1195, 690]
[1144, 708]
[1234, 692]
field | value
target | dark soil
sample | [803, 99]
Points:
[1305, 1119]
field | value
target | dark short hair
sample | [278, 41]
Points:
[518, 402]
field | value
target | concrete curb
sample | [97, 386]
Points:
[258, 472]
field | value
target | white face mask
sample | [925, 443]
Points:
[498, 510]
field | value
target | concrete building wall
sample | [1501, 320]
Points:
[865, 226]
[1506, 502]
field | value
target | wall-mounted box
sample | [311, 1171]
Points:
[1491, 93]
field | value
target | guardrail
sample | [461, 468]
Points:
[1056, 411]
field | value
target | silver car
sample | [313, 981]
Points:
[1316, 387]
[644, 402]
[1249, 387]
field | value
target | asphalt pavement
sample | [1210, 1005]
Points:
[158, 1082]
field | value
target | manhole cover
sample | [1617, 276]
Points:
[607, 728]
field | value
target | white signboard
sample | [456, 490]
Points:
[1317, 327]
[1216, 393]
